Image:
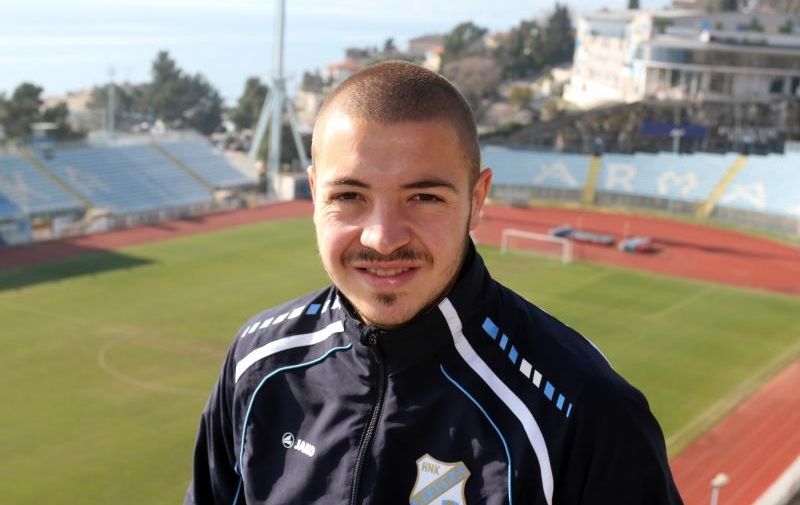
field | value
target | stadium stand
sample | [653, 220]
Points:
[766, 184]
[31, 192]
[663, 175]
[198, 156]
[763, 191]
[7, 208]
[765, 194]
[548, 175]
[126, 179]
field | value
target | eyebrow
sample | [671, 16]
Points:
[421, 184]
[347, 181]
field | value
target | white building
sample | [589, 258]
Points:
[627, 56]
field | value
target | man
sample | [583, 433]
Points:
[415, 378]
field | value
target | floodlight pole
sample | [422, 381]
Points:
[273, 109]
[111, 105]
[278, 92]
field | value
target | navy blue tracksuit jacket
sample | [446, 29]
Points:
[483, 399]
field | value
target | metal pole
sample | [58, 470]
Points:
[714, 495]
[298, 140]
[111, 105]
[717, 483]
[261, 129]
[278, 97]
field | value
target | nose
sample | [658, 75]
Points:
[386, 230]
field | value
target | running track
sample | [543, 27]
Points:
[753, 445]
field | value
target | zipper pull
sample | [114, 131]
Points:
[369, 337]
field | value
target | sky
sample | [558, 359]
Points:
[66, 45]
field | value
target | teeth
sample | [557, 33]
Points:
[386, 272]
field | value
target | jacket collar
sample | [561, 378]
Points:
[427, 333]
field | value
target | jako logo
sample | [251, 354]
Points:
[300, 445]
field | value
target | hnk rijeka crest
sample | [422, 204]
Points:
[439, 483]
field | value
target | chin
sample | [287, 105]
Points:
[382, 314]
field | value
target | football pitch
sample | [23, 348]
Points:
[107, 359]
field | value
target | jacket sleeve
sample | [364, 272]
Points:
[618, 454]
[215, 479]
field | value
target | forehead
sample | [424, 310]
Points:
[405, 149]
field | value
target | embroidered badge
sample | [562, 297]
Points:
[439, 482]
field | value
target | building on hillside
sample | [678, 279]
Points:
[341, 70]
[427, 49]
[689, 56]
[421, 46]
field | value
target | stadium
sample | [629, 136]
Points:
[116, 335]
[128, 265]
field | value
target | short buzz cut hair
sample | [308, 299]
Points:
[394, 92]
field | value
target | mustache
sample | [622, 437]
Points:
[370, 256]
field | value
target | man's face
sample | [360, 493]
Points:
[392, 210]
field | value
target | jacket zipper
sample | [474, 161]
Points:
[369, 431]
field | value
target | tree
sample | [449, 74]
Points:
[521, 96]
[22, 110]
[248, 108]
[313, 83]
[462, 40]
[203, 111]
[633, 4]
[388, 47]
[131, 106]
[182, 100]
[59, 115]
[558, 41]
[727, 5]
[476, 77]
[519, 54]
[3, 116]
[167, 88]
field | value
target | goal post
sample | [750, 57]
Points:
[528, 241]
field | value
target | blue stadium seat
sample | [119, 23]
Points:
[126, 179]
[31, 192]
[211, 167]
[768, 184]
[534, 168]
[683, 177]
[7, 208]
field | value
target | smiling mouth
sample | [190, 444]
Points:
[386, 272]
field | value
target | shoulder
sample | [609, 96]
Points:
[286, 331]
[554, 360]
[587, 412]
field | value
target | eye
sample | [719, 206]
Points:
[347, 196]
[426, 198]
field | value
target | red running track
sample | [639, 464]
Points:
[12, 257]
[754, 444]
[688, 250]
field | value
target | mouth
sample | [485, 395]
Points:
[386, 272]
[387, 277]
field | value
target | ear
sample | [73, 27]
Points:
[311, 182]
[479, 194]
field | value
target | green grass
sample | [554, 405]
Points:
[107, 359]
